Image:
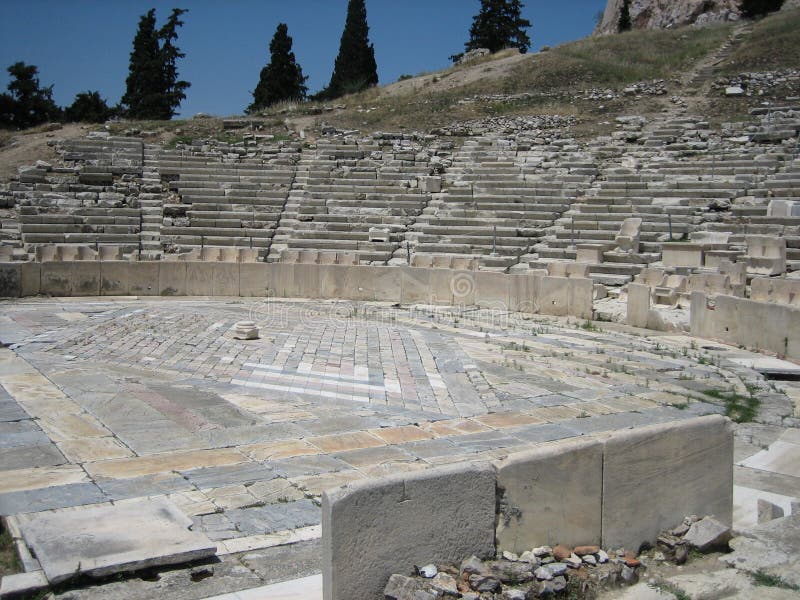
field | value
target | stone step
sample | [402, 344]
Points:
[355, 245]
[242, 232]
[80, 238]
[190, 241]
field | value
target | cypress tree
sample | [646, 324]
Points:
[153, 90]
[282, 79]
[172, 89]
[758, 8]
[624, 23]
[499, 25]
[355, 68]
[141, 92]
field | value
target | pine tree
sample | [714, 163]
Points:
[752, 9]
[282, 79]
[499, 25]
[88, 107]
[355, 68]
[27, 104]
[624, 23]
[152, 87]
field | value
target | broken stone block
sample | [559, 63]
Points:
[767, 511]
[708, 534]
[21, 585]
[400, 587]
[102, 540]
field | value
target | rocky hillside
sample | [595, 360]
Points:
[667, 14]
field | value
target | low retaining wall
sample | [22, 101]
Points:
[558, 296]
[741, 322]
[619, 490]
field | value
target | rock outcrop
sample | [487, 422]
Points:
[666, 14]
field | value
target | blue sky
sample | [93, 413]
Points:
[83, 45]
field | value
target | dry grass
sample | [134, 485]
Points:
[773, 44]
[615, 60]
[8, 554]
[549, 77]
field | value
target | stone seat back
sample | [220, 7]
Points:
[307, 257]
[86, 253]
[347, 258]
[110, 252]
[568, 269]
[711, 284]
[651, 277]
[248, 255]
[45, 253]
[422, 260]
[628, 237]
[210, 254]
[779, 291]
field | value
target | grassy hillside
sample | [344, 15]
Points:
[773, 44]
[557, 81]
[549, 80]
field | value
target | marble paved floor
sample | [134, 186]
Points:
[103, 400]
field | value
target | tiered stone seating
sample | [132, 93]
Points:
[766, 255]
[89, 201]
[496, 203]
[778, 123]
[222, 203]
[359, 199]
[320, 257]
[215, 254]
[675, 193]
[683, 173]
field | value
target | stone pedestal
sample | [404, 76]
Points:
[245, 330]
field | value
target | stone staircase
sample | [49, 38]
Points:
[221, 203]
[151, 202]
[92, 200]
[357, 198]
[498, 200]
[291, 208]
[701, 78]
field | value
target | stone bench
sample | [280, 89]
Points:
[682, 254]
[568, 269]
[779, 291]
[711, 284]
[766, 255]
[321, 257]
[671, 290]
[627, 239]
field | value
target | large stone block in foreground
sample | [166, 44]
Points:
[10, 280]
[102, 540]
[655, 476]
[550, 495]
[371, 529]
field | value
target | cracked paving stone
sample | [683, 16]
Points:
[213, 477]
[275, 517]
[63, 496]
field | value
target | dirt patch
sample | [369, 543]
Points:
[26, 147]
